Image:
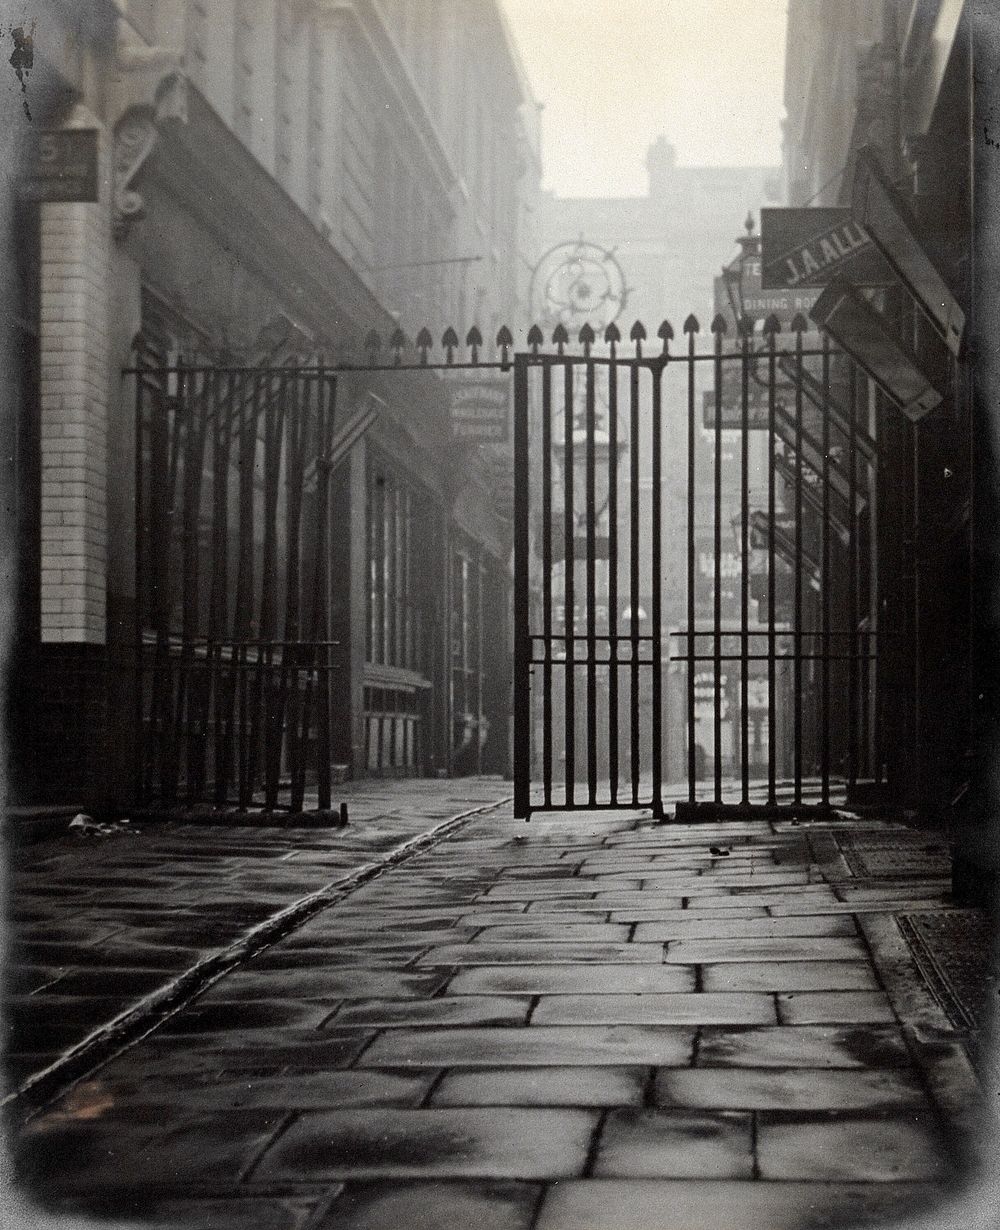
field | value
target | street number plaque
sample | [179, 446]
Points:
[60, 165]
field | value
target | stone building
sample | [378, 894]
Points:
[895, 77]
[276, 180]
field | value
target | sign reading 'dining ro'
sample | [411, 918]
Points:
[480, 408]
[60, 165]
[809, 247]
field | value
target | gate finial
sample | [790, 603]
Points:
[474, 339]
[799, 323]
[505, 339]
[450, 343]
[587, 338]
[719, 326]
[637, 334]
[666, 334]
[535, 338]
[691, 325]
[424, 343]
[560, 336]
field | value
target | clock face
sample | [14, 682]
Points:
[578, 283]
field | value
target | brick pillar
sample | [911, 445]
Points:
[75, 242]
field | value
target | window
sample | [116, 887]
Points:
[469, 726]
[396, 625]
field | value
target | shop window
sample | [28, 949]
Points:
[396, 605]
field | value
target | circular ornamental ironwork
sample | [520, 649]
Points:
[577, 283]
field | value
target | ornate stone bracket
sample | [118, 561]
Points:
[151, 90]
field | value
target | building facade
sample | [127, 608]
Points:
[277, 181]
[895, 77]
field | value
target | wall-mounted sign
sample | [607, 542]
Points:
[60, 165]
[480, 408]
[808, 247]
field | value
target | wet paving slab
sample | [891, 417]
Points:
[484, 1143]
[123, 916]
[713, 1204]
[777, 975]
[588, 1025]
[553, 1086]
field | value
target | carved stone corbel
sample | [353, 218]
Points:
[150, 91]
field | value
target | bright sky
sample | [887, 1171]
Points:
[614, 74]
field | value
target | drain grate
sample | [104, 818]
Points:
[953, 952]
[886, 858]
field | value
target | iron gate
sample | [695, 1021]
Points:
[234, 660]
[695, 574]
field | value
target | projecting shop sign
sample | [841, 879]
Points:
[480, 408]
[60, 165]
[756, 302]
[809, 247]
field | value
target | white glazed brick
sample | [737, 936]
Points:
[75, 243]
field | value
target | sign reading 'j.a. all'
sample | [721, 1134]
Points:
[809, 247]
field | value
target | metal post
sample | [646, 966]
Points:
[569, 528]
[522, 646]
[691, 507]
[522, 477]
[656, 581]
[613, 575]
[591, 512]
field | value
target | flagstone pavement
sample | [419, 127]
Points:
[586, 1023]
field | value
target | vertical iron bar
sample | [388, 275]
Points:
[327, 412]
[292, 679]
[591, 512]
[717, 599]
[272, 482]
[692, 760]
[160, 551]
[797, 638]
[772, 706]
[480, 713]
[547, 530]
[243, 725]
[570, 593]
[139, 617]
[613, 575]
[745, 566]
[218, 604]
[656, 580]
[825, 583]
[169, 690]
[194, 461]
[854, 724]
[522, 645]
[634, 577]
